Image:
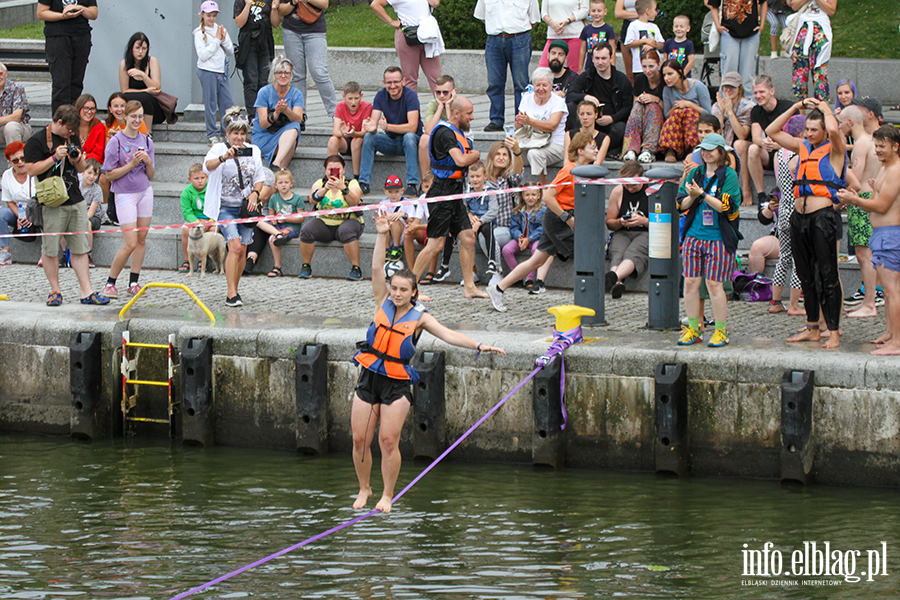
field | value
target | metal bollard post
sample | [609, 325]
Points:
[665, 259]
[429, 406]
[672, 453]
[311, 380]
[797, 447]
[85, 382]
[197, 392]
[548, 441]
[590, 238]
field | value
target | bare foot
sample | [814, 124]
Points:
[776, 308]
[424, 298]
[384, 505]
[886, 349]
[806, 335]
[747, 202]
[474, 292]
[825, 330]
[883, 339]
[796, 311]
[833, 341]
[362, 499]
[863, 312]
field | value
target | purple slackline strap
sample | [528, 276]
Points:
[561, 341]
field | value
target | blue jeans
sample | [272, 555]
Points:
[310, 49]
[499, 52]
[8, 220]
[407, 146]
[740, 55]
[216, 94]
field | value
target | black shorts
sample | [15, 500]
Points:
[557, 239]
[447, 217]
[375, 388]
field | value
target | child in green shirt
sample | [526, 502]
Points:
[284, 202]
[192, 199]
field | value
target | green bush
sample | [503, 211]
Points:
[462, 31]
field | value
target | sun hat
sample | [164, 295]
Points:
[713, 141]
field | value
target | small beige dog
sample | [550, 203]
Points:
[202, 245]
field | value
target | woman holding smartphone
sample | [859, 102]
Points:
[333, 191]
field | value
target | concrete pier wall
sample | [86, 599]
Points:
[734, 396]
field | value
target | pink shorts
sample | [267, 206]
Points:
[131, 207]
[707, 259]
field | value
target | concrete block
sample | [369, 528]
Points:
[631, 361]
[341, 343]
[226, 341]
[283, 343]
[832, 369]
[16, 327]
[721, 365]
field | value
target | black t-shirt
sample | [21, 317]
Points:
[759, 115]
[565, 81]
[642, 85]
[598, 139]
[443, 139]
[67, 27]
[260, 16]
[36, 150]
[733, 15]
[293, 23]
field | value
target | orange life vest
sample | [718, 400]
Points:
[815, 176]
[390, 345]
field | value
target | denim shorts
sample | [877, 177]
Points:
[233, 230]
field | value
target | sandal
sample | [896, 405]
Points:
[281, 239]
[54, 299]
[776, 307]
[670, 156]
[275, 272]
[185, 267]
[427, 279]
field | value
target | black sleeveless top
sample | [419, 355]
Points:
[632, 202]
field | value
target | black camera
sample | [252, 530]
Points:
[73, 151]
[243, 151]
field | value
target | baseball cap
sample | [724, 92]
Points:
[732, 78]
[869, 103]
[209, 7]
[393, 182]
[713, 141]
[559, 44]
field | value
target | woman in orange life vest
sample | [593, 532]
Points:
[816, 225]
[384, 388]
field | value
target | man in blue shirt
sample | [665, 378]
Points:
[393, 129]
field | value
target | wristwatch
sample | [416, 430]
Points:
[564, 216]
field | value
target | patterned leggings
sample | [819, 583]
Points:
[643, 127]
[805, 65]
[785, 210]
[679, 132]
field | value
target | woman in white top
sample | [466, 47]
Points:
[811, 47]
[17, 187]
[213, 46]
[544, 112]
[412, 13]
[565, 20]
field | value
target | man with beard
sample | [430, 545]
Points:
[563, 77]
[608, 89]
[451, 155]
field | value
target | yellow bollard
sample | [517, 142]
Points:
[568, 316]
[4, 297]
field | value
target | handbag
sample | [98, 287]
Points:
[789, 31]
[245, 212]
[51, 191]
[531, 138]
[411, 35]
[168, 102]
[308, 13]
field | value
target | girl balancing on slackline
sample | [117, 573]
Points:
[384, 388]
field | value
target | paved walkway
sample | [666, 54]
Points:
[289, 301]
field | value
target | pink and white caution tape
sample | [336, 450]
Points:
[657, 184]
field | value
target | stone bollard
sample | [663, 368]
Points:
[197, 392]
[797, 443]
[429, 405]
[311, 380]
[671, 400]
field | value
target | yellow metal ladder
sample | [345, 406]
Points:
[129, 377]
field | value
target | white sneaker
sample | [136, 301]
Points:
[630, 155]
[773, 55]
[645, 157]
[5, 257]
[496, 298]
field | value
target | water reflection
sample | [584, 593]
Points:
[144, 519]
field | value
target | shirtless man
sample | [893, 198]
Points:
[884, 208]
[864, 166]
[815, 225]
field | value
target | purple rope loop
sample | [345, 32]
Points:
[561, 341]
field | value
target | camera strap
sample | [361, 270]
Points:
[58, 165]
[240, 177]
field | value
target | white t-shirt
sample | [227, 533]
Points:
[638, 30]
[410, 12]
[543, 113]
[13, 191]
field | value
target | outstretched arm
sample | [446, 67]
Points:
[379, 286]
[454, 338]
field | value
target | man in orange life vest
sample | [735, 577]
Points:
[816, 225]
[451, 154]
[383, 392]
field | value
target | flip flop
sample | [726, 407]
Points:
[185, 267]
[275, 272]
